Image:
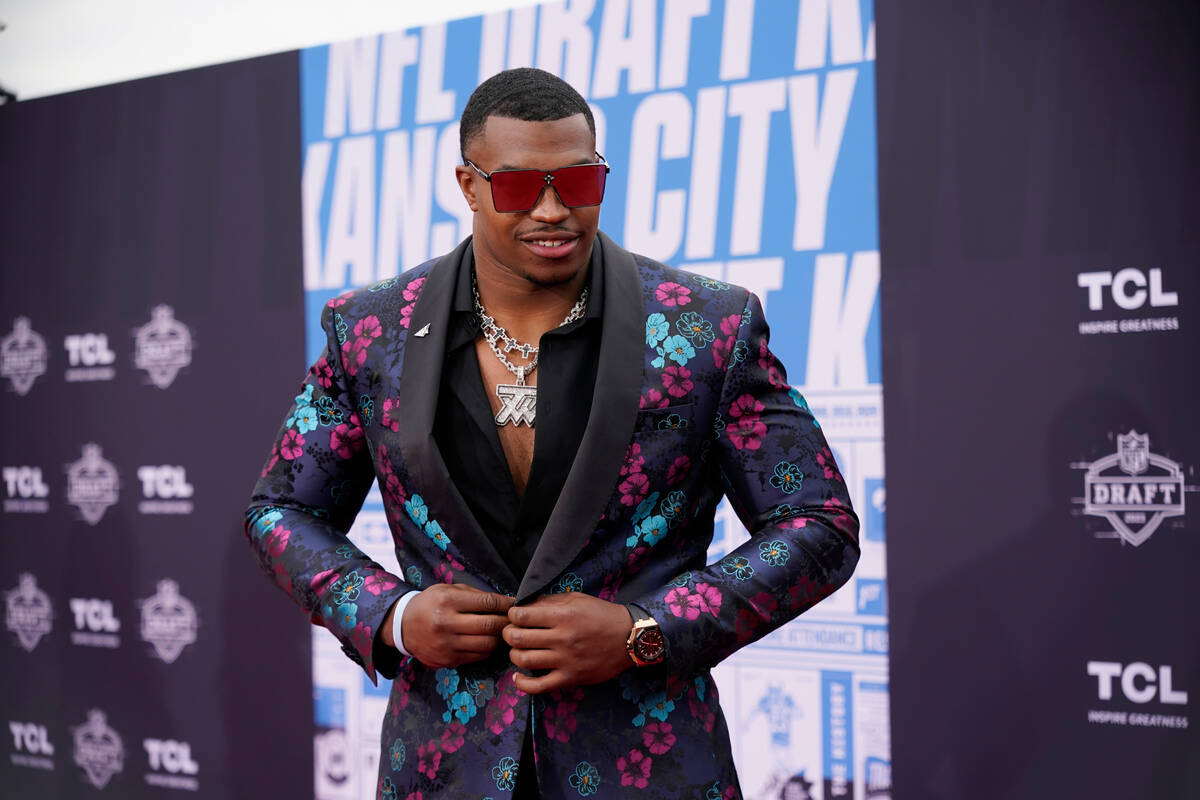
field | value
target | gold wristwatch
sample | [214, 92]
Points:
[646, 644]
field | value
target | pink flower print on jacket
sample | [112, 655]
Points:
[689, 604]
[633, 489]
[634, 485]
[324, 372]
[413, 290]
[291, 446]
[635, 769]
[678, 470]
[411, 293]
[354, 353]
[277, 540]
[391, 416]
[657, 737]
[677, 381]
[723, 346]
[652, 399]
[347, 439]
[559, 718]
[672, 294]
[747, 429]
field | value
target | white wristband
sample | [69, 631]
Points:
[398, 621]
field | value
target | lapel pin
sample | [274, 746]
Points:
[424, 330]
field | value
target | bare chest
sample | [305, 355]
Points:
[516, 440]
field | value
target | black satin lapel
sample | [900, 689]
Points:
[420, 380]
[609, 429]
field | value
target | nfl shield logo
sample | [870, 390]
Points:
[1133, 452]
[163, 346]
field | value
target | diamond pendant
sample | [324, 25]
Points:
[518, 404]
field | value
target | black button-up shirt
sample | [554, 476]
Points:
[465, 427]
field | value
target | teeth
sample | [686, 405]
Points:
[547, 243]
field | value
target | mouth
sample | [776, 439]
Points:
[551, 245]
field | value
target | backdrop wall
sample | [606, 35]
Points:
[150, 318]
[1039, 193]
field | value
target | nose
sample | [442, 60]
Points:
[549, 206]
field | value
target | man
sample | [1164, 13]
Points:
[552, 421]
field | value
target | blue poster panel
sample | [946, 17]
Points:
[742, 143]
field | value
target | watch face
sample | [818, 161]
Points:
[650, 646]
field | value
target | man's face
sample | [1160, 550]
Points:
[549, 244]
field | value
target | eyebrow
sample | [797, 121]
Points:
[592, 160]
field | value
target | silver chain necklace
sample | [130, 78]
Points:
[518, 402]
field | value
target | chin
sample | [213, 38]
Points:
[552, 274]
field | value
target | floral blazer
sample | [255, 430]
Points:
[690, 405]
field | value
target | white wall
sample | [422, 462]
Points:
[53, 46]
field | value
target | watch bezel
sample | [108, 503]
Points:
[639, 640]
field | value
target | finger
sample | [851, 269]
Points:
[529, 638]
[534, 616]
[555, 679]
[535, 659]
[472, 600]
[474, 624]
[475, 645]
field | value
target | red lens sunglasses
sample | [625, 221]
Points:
[517, 190]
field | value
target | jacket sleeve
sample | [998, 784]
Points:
[310, 490]
[779, 474]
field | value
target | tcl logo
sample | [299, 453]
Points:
[88, 350]
[164, 481]
[1129, 288]
[170, 756]
[1139, 682]
[24, 482]
[94, 615]
[31, 738]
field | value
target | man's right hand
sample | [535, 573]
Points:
[447, 625]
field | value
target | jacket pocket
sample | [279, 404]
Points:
[677, 419]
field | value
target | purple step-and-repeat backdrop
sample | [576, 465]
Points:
[149, 320]
[160, 241]
[742, 144]
[1039, 196]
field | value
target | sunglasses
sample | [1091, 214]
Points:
[517, 190]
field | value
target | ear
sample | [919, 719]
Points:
[466, 183]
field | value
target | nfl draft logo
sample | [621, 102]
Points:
[28, 612]
[92, 484]
[163, 346]
[98, 749]
[1133, 489]
[168, 621]
[22, 356]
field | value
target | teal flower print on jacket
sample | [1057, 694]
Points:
[345, 589]
[737, 566]
[677, 349]
[787, 477]
[696, 328]
[417, 510]
[657, 329]
[461, 707]
[505, 774]
[447, 682]
[433, 530]
[586, 779]
[774, 553]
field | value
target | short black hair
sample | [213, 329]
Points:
[527, 94]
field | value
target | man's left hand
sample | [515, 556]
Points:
[574, 638]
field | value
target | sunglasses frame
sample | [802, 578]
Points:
[548, 177]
